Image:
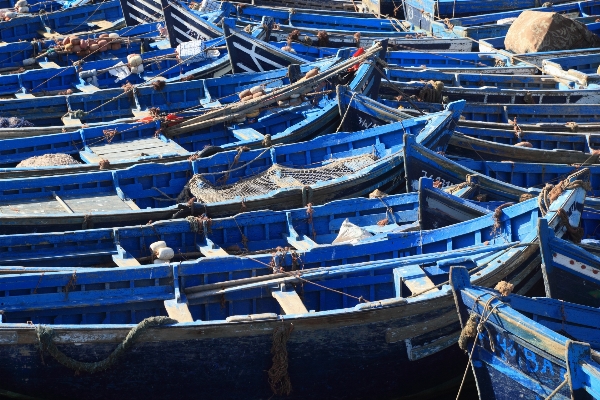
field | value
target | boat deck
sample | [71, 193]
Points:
[67, 204]
[132, 149]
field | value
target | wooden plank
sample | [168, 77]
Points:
[140, 113]
[125, 262]
[303, 244]
[87, 88]
[24, 96]
[31, 206]
[178, 311]
[414, 278]
[68, 121]
[99, 202]
[212, 250]
[63, 204]
[289, 301]
[48, 64]
[131, 204]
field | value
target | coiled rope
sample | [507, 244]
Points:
[45, 334]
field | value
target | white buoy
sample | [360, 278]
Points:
[134, 60]
[157, 245]
[165, 253]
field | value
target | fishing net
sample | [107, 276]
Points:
[277, 177]
[14, 122]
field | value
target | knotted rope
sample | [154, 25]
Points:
[279, 378]
[575, 233]
[550, 192]
[472, 329]
[45, 335]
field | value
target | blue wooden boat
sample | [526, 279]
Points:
[527, 347]
[72, 20]
[326, 168]
[492, 181]
[487, 25]
[474, 80]
[98, 75]
[143, 37]
[421, 13]
[184, 18]
[322, 6]
[405, 63]
[582, 69]
[137, 12]
[109, 104]
[188, 99]
[506, 113]
[490, 94]
[245, 234]
[363, 325]
[503, 145]
[570, 271]
[412, 316]
[537, 59]
[248, 54]
[484, 146]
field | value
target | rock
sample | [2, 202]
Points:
[535, 31]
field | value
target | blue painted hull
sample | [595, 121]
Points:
[570, 271]
[67, 21]
[370, 344]
[519, 357]
[13, 54]
[344, 358]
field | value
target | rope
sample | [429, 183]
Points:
[551, 192]
[345, 113]
[559, 387]
[279, 378]
[575, 233]
[468, 330]
[45, 335]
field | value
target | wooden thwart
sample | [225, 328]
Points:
[414, 278]
[178, 311]
[289, 301]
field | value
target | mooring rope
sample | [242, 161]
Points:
[45, 335]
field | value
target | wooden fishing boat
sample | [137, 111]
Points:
[537, 59]
[332, 170]
[484, 146]
[124, 144]
[395, 300]
[165, 65]
[13, 56]
[333, 5]
[201, 94]
[248, 54]
[179, 18]
[570, 271]
[474, 80]
[138, 12]
[245, 234]
[522, 347]
[487, 25]
[506, 113]
[582, 69]
[495, 95]
[97, 17]
[481, 148]
[421, 13]
[108, 104]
